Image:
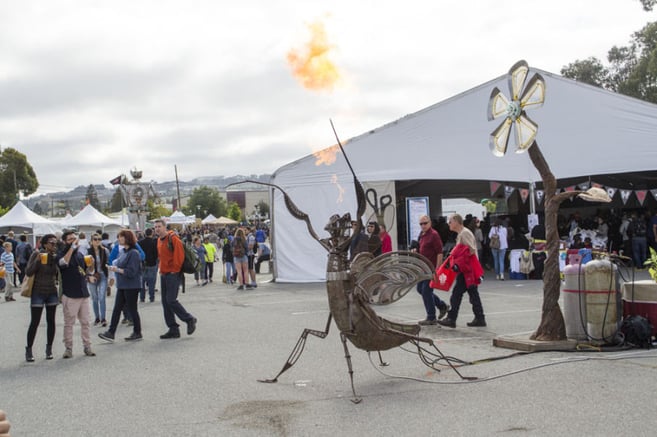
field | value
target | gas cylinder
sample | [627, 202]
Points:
[574, 298]
[602, 315]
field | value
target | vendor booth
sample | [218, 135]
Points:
[586, 133]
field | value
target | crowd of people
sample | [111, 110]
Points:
[79, 273]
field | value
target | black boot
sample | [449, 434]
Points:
[28, 354]
[48, 352]
[477, 322]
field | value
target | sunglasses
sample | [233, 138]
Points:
[95, 239]
[424, 223]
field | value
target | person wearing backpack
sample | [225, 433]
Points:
[240, 259]
[172, 255]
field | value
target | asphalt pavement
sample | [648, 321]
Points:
[207, 384]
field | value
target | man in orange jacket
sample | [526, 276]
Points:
[171, 254]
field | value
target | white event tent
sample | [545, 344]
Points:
[583, 131]
[181, 219]
[209, 220]
[89, 219]
[21, 219]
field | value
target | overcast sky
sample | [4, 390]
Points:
[90, 89]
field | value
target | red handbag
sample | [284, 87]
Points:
[444, 277]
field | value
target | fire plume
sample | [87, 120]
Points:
[311, 64]
[326, 156]
[334, 180]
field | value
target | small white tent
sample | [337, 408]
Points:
[89, 219]
[90, 216]
[21, 219]
[583, 131]
[181, 219]
[209, 220]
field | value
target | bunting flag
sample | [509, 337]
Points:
[539, 196]
[524, 194]
[570, 189]
[625, 195]
[116, 180]
[654, 193]
[494, 186]
[611, 191]
[558, 191]
[641, 195]
[596, 185]
[584, 186]
[508, 191]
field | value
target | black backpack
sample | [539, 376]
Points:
[638, 331]
[191, 264]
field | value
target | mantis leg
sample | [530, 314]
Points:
[298, 348]
[343, 337]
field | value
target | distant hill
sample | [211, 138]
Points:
[74, 200]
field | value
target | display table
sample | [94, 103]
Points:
[640, 299]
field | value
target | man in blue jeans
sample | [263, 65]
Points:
[149, 246]
[171, 254]
[431, 247]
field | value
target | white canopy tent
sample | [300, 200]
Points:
[89, 219]
[179, 218]
[209, 220]
[583, 131]
[21, 219]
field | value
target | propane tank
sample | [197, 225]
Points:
[602, 315]
[574, 298]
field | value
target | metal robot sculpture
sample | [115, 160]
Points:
[353, 288]
[135, 195]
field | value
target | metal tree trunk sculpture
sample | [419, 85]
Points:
[532, 95]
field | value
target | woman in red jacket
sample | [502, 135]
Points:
[464, 260]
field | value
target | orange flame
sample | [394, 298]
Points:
[334, 180]
[326, 156]
[311, 65]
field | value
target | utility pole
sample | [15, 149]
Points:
[175, 167]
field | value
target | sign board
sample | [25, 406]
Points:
[416, 207]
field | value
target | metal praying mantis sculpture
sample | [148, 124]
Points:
[527, 95]
[353, 288]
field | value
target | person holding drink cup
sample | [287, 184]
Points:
[75, 295]
[98, 256]
[42, 265]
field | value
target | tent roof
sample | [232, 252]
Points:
[20, 216]
[582, 131]
[225, 221]
[90, 216]
[210, 219]
[180, 218]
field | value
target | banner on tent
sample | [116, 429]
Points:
[640, 195]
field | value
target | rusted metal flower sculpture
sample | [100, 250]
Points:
[523, 97]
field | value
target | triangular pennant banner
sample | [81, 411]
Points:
[524, 194]
[641, 195]
[596, 185]
[654, 193]
[611, 191]
[508, 191]
[625, 195]
[494, 186]
[570, 189]
[584, 186]
[539, 196]
[558, 191]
